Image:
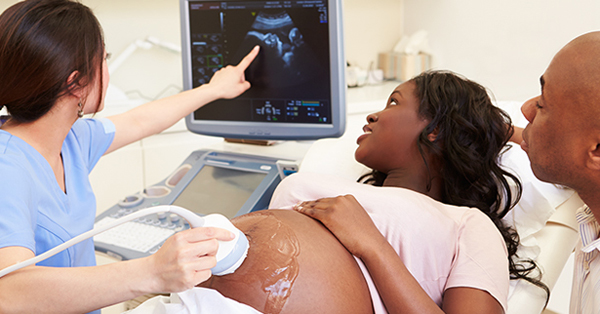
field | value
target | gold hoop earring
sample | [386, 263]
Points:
[80, 110]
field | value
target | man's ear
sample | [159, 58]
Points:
[593, 160]
[74, 88]
[433, 135]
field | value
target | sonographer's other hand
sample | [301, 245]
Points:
[230, 81]
[347, 220]
[186, 258]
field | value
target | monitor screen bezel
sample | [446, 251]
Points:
[279, 130]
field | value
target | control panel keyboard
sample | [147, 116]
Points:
[136, 236]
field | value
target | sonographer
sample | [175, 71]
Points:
[53, 71]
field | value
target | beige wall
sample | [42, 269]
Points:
[371, 27]
[505, 45]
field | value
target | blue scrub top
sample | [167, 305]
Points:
[34, 211]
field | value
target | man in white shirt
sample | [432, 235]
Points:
[562, 141]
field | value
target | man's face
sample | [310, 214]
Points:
[552, 139]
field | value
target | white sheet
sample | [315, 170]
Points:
[193, 301]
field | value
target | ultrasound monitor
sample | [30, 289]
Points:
[298, 79]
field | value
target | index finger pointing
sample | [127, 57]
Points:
[249, 58]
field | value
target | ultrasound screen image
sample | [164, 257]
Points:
[290, 76]
[287, 60]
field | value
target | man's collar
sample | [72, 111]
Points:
[589, 229]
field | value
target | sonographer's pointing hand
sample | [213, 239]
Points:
[230, 81]
[186, 258]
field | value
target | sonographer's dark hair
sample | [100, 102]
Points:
[471, 135]
[42, 42]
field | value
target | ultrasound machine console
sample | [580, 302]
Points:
[206, 182]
